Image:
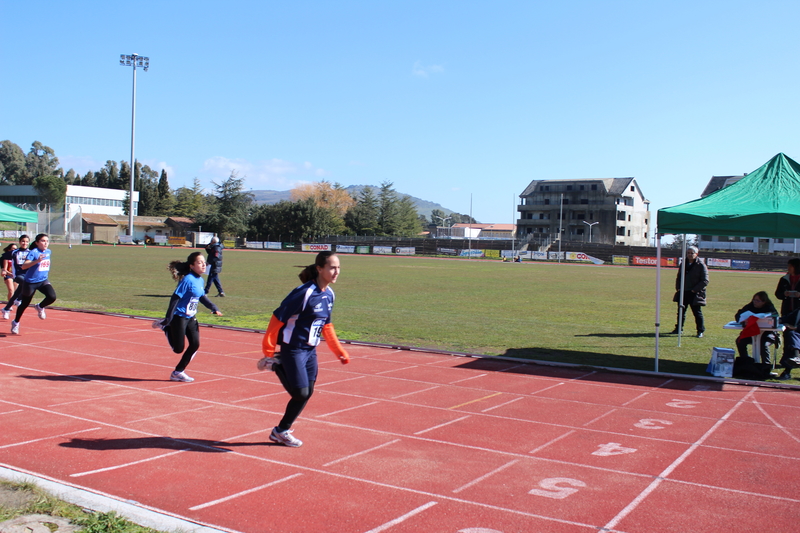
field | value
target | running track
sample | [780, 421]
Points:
[397, 441]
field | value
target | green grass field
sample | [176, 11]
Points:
[584, 314]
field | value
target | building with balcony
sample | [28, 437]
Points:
[610, 211]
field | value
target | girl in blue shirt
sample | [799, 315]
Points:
[180, 323]
[37, 270]
[296, 326]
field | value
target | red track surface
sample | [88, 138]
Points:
[396, 441]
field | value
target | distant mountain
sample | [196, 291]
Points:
[424, 207]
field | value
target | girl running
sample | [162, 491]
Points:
[296, 326]
[8, 269]
[18, 257]
[37, 270]
[180, 323]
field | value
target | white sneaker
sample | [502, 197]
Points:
[17, 302]
[180, 376]
[285, 437]
[6, 314]
[268, 363]
[40, 310]
[14, 327]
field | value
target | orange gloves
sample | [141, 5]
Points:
[270, 341]
[333, 342]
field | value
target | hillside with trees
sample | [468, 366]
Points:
[304, 214]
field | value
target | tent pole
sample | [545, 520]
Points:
[681, 307]
[658, 291]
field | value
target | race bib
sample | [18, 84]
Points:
[315, 331]
[191, 307]
[44, 266]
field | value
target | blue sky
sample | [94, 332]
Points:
[456, 102]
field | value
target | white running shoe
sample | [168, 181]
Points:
[17, 302]
[14, 327]
[268, 363]
[180, 376]
[285, 437]
[40, 310]
[6, 314]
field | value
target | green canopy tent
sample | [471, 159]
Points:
[9, 213]
[764, 203]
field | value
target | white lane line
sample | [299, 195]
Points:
[117, 467]
[415, 392]
[243, 493]
[345, 410]
[546, 444]
[485, 476]
[347, 457]
[777, 424]
[467, 379]
[442, 425]
[675, 464]
[403, 518]
[590, 422]
[503, 404]
[46, 438]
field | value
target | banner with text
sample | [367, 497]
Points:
[317, 248]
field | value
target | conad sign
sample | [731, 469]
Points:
[317, 248]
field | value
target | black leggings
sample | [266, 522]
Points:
[298, 401]
[19, 280]
[181, 328]
[28, 290]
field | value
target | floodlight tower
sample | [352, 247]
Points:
[133, 60]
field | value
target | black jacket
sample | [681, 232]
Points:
[214, 252]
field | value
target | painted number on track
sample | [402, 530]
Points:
[612, 448]
[551, 487]
[683, 404]
[652, 423]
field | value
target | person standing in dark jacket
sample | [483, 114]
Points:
[788, 291]
[694, 295]
[214, 251]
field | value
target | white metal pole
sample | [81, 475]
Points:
[658, 293]
[133, 163]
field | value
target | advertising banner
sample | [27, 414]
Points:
[160, 239]
[381, 249]
[447, 251]
[345, 248]
[553, 256]
[740, 265]
[539, 256]
[580, 256]
[272, 245]
[362, 249]
[317, 247]
[288, 246]
[471, 253]
[177, 241]
[406, 250]
[651, 261]
[495, 254]
[257, 245]
[719, 263]
[619, 260]
[229, 244]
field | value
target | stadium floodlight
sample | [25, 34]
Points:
[590, 224]
[133, 60]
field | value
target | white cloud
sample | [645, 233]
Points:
[273, 174]
[424, 71]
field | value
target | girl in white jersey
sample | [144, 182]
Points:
[296, 326]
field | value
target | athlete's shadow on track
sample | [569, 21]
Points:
[165, 443]
[89, 377]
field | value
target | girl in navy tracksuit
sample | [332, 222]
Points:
[37, 271]
[296, 326]
[180, 323]
[18, 258]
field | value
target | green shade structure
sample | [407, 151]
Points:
[9, 213]
[764, 203]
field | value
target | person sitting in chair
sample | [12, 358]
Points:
[759, 304]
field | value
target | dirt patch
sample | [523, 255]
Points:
[15, 499]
